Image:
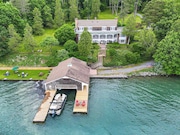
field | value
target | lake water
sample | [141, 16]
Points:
[135, 106]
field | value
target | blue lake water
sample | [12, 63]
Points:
[135, 106]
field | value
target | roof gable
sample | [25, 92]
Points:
[96, 23]
[73, 68]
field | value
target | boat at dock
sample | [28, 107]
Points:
[57, 105]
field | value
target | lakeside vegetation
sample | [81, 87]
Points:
[31, 33]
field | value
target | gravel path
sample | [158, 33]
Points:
[105, 71]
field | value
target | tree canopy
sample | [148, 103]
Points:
[85, 44]
[167, 53]
[64, 33]
[10, 15]
[37, 22]
[3, 41]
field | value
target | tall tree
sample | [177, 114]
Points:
[35, 4]
[14, 38]
[124, 10]
[114, 4]
[85, 44]
[59, 15]
[130, 28]
[95, 8]
[22, 5]
[147, 42]
[3, 41]
[29, 42]
[37, 22]
[10, 15]
[47, 17]
[153, 11]
[167, 53]
[163, 25]
[73, 10]
[85, 8]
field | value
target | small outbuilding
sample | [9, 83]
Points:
[72, 73]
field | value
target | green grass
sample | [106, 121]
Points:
[34, 74]
[34, 59]
[47, 33]
[22, 57]
[39, 39]
[108, 15]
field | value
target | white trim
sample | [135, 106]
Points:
[65, 77]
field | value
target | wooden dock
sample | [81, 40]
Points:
[81, 101]
[41, 115]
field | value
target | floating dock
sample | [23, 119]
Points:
[41, 115]
[81, 101]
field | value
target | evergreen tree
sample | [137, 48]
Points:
[85, 8]
[37, 25]
[48, 20]
[22, 5]
[85, 45]
[73, 10]
[14, 38]
[95, 8]
[59, 15]
[28, 39]
[3, 41]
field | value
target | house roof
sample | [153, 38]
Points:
[96, 23]
[72, 68]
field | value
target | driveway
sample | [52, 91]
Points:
[124, 70]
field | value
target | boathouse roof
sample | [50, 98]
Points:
[73, 68]
[96, 23]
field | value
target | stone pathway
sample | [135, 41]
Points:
[101, 55]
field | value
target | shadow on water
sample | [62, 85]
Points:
[70, 94]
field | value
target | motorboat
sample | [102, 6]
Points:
[57, 104]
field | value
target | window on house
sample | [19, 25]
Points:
[97, 28]
[122, 41]
[108, 28]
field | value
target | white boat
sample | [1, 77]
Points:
[57, 105]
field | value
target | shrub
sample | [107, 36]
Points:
[49, 41]
[64, 33]
[71, 46]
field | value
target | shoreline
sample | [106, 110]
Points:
[106, 77]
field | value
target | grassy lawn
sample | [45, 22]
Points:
[39, 39]
[32, 75]
[36, 59]
[47, 33]
[108, 15]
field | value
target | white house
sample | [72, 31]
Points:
[102, 31]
